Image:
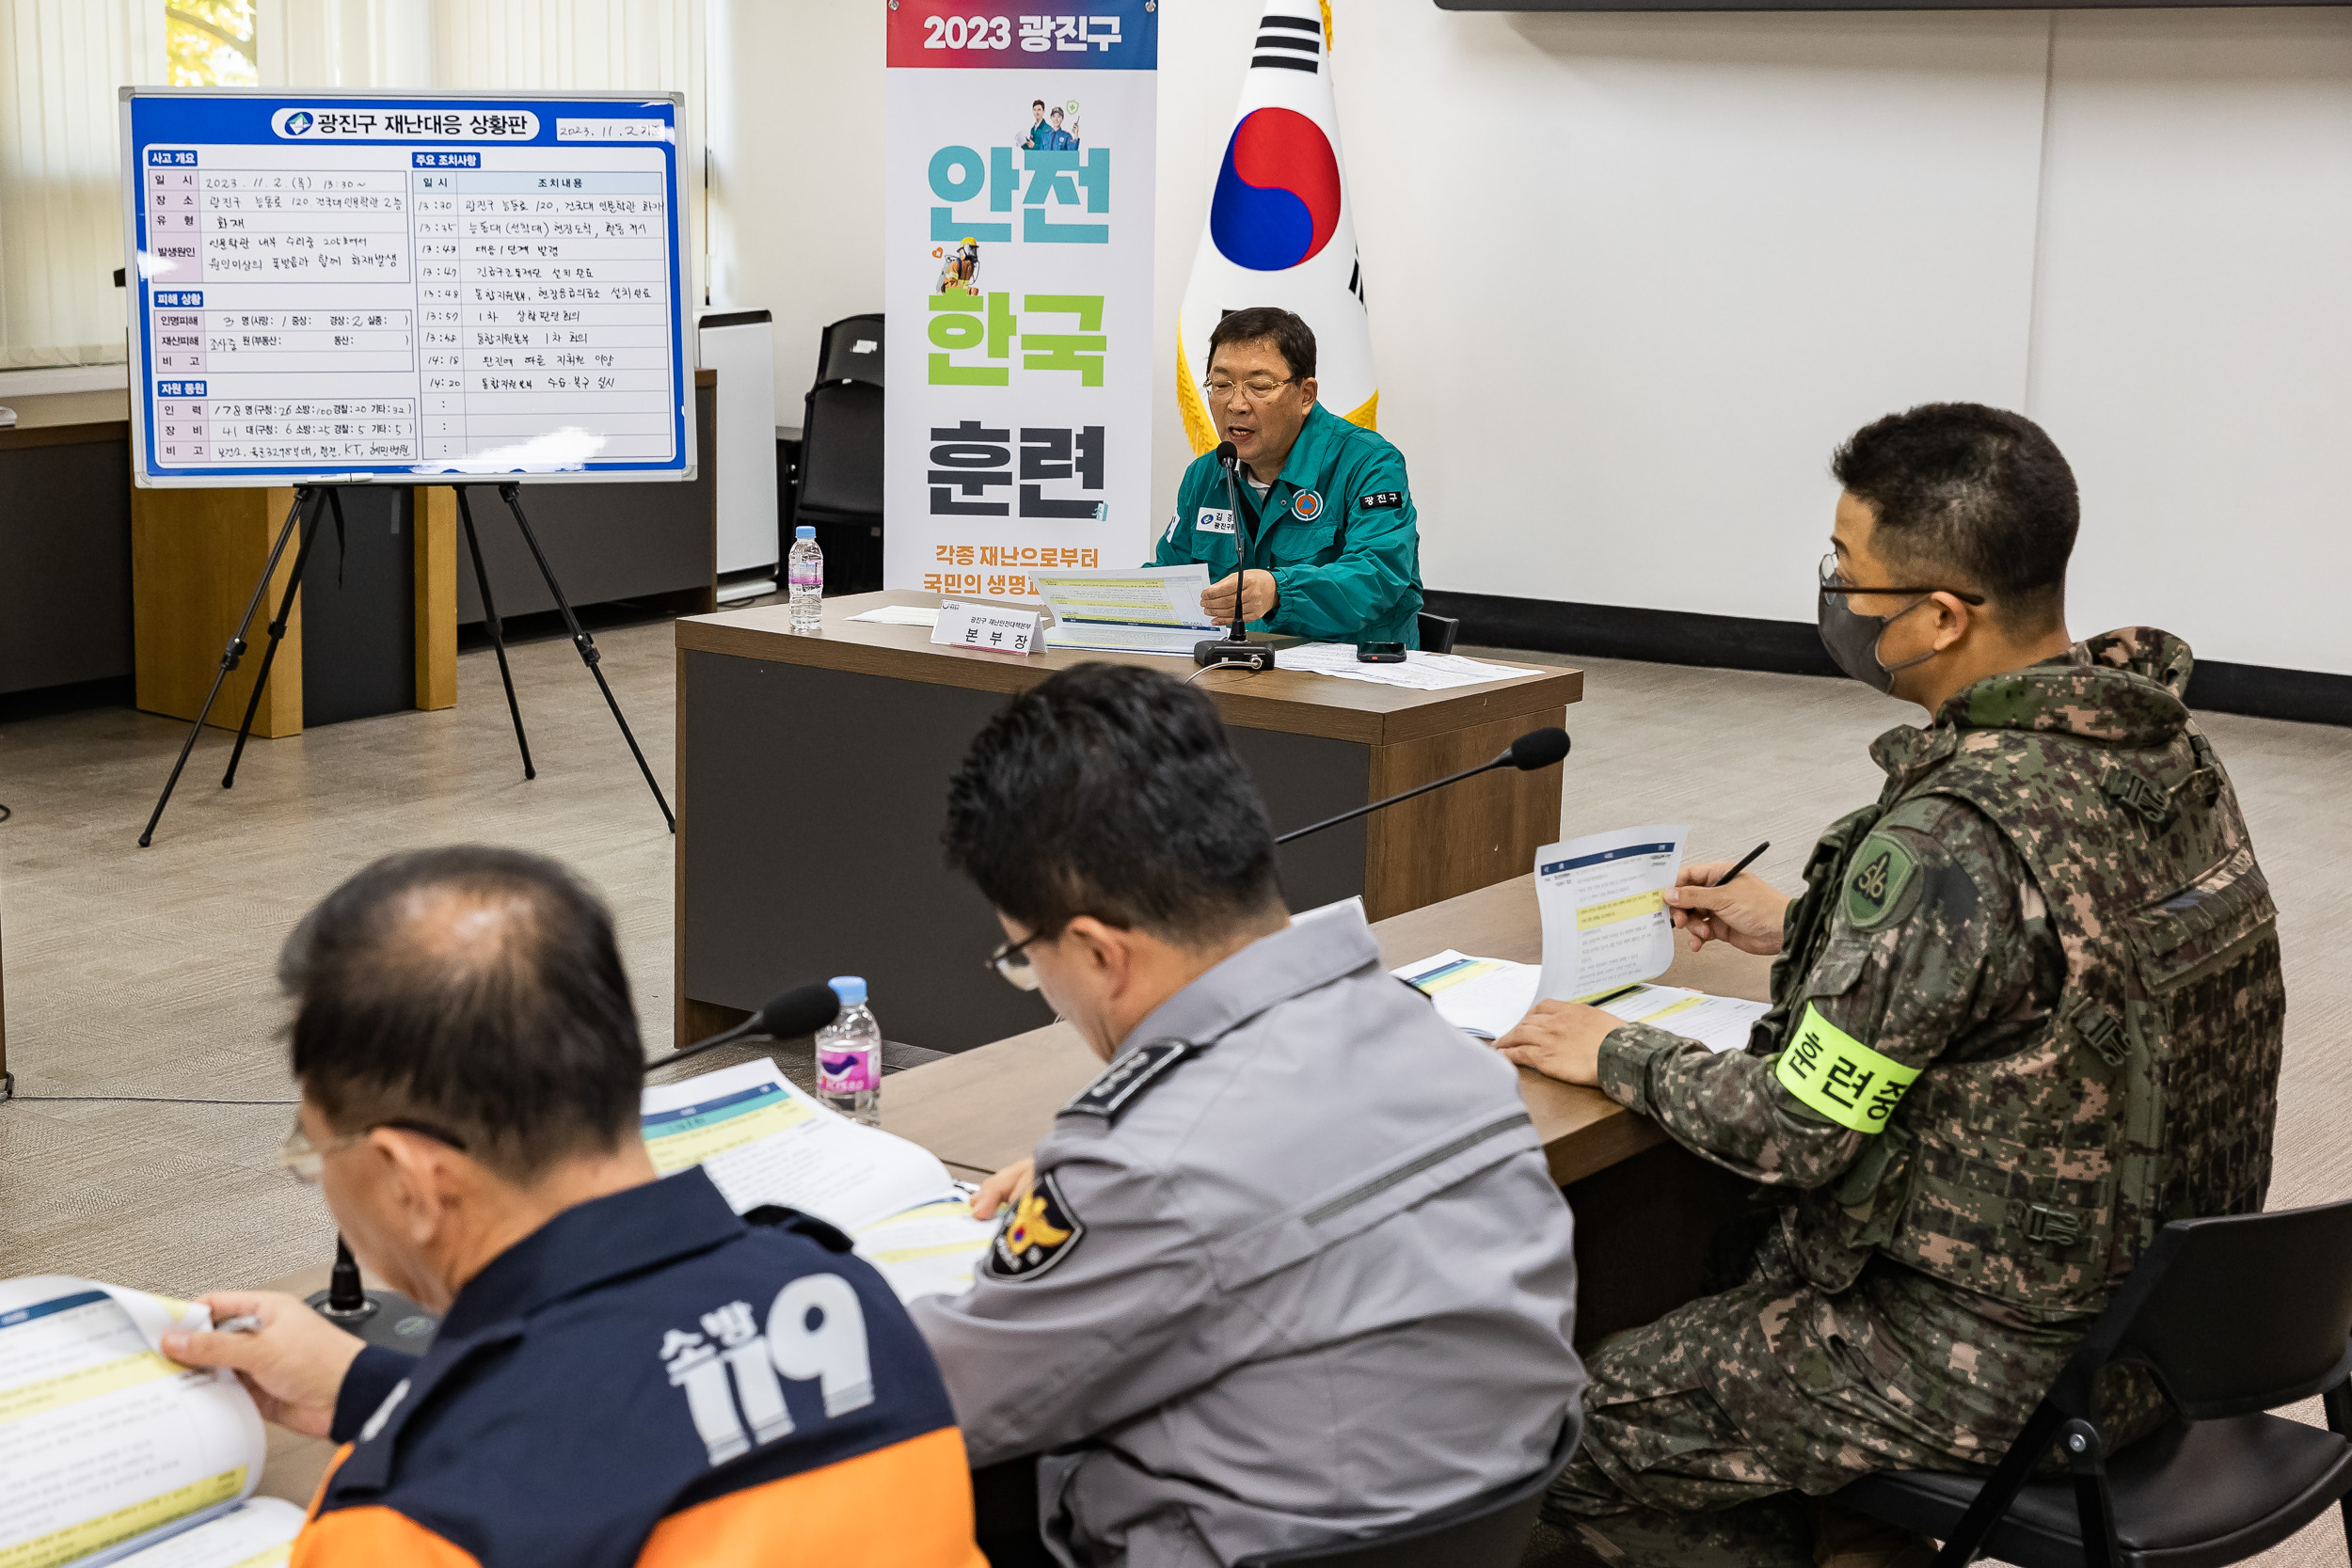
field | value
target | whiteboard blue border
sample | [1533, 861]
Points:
[165, 118]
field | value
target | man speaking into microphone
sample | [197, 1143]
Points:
[1312, 523]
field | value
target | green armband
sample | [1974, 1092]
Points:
[1827, 1068]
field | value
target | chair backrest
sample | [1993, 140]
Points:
[851, 350]
[841, 454]
[1490, 1530]
[2236, 1313]
[1437, 632]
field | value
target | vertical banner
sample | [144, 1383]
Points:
[1018, 175]
[1281, 230]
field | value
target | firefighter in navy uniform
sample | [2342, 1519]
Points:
[628, 1374]
[2027, 1008]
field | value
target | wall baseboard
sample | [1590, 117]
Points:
[1794, 648]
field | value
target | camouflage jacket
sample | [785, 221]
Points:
[2028, 1008]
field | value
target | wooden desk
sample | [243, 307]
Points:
[1644, 1207]
[812, 772]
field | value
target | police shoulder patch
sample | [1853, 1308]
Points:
[1885, 872]
[1379, 498]
[1037, 1231]
[1125, 1079]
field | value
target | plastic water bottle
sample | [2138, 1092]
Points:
[848, 1056]
[805, 575]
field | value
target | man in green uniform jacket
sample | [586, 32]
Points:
[2027, 1008]
[1323, 505]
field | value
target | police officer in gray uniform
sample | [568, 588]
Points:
[1291, 1270]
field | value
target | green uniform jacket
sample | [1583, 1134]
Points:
[1336, 530]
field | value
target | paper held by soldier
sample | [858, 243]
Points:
[109, 1448]
[764, 1140]
[1603, 902]
[1485, 997]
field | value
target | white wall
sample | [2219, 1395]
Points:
[1631, 278]
[795, 128]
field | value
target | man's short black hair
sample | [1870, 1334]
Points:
[1037, 103]
[473, 989]
[1112, 791]
[1291, 337]
[1978, 491]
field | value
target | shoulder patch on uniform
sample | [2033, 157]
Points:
[1379, 498]
[1036, 1233]
[1884, 870]
[1126, 1078]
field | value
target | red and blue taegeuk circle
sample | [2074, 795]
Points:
[1277, 192]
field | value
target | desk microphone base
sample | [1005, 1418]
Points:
[1233, 655]
[384, 1318]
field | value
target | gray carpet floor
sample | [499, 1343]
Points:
[148, 972]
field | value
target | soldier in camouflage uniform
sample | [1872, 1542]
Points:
[2027, 1008]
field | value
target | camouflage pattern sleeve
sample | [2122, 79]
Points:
[1939, 947]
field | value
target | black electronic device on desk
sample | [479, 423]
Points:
[384, 1318]
[1380, 653]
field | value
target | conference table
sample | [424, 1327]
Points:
[1646, 1209]
[811, 777]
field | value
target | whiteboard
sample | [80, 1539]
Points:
[343, 287]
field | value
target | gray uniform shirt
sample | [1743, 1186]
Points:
[1304, 1277]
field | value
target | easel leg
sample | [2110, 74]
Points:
[277, 630]
[497, 631]
[512, 496]
[304, 496]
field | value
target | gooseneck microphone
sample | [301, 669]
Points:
[1535, 749]
[802, 1010]
[1235, 650]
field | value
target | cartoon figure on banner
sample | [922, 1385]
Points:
[957, 267]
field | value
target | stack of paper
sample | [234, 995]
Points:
[899, 615]
[108, 1449]
[1606, 935]
[1420, 671]
[763, 1140]
[1149, 610]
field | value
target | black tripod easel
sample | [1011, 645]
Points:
[311, 501]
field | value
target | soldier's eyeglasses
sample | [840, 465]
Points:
[306, 1162]
[1256, 391]
[1833, 581]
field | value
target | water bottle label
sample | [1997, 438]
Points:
[807, 575]
[846, 1069]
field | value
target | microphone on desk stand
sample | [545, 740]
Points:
[1234, 651]
[1535, 750]
[384, 1318]
[801, 1010]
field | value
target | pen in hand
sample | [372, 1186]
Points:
[244, 1323]
[1746, 860]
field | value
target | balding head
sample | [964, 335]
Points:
[472, 988]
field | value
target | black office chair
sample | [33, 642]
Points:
[839, 488]
[1490, 1530]
[1437, 632]
[2233, 1317]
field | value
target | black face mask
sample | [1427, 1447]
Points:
[1852, 640]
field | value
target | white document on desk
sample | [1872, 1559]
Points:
[108, 1448]
[1720, 1023]
[1479, 996]
[1154, 610]
[1421, 671]
[1602, 898]
[763, 1139]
